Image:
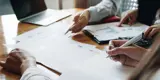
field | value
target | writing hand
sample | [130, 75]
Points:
[80, 21]
[129, 56]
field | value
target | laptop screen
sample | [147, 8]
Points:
[24, 8]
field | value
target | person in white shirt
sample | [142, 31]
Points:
[21, 62]
[105, 8]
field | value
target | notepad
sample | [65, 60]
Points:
[103, 33]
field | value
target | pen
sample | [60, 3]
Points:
[131, 41]
[67, 31]
[81, 17]
[69, 28]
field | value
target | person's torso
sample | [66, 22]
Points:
[147, 11]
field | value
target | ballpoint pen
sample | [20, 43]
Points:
[67, 31]
[81, 17]
[131, 41]
[69, 28]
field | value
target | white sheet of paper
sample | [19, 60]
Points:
[110, 31]
[60, 53]
[55, 29]
[98, 68]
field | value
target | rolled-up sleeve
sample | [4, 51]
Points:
[103, 9]
[157, 21]
[34, 73]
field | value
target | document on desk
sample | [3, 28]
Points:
[109, 31]
[55, 29]
[60, 53]
[98, 68]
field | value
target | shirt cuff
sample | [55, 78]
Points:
[34, 72]
[93, 13]
[157, 22]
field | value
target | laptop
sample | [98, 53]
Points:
[36, 12]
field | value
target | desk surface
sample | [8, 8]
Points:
[10, 27]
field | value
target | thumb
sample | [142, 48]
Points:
[116, 51]
[2, 63]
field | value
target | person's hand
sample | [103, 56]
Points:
[128, 17]
[80, 21]
[129, 56]
[18, 61]
[151, 31]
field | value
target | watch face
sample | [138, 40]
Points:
[24, 8]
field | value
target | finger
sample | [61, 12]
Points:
[131, 62]
[16, 56]
[115, 51]
[147, 32]
[152, 33]
[132, 20]
[11, 59]
[111, 45]
[79, 25]
[122, 59]
[116, 58]
[123, 20]
[2, 63]
[117, 43]
[76, 28]
[132, 52]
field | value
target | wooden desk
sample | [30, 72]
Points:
[10, 27]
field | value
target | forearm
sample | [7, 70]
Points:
[104, 9]
[34, 73]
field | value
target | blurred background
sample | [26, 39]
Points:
[5, 7]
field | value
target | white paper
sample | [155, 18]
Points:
[59, 53]
[56, 29]
[110, 31]
[98, 68]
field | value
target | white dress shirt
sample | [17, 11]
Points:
[34, 73]
[103, 9]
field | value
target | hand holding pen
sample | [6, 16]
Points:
[129, 55]
[79, 22]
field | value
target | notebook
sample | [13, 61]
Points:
[103, 33]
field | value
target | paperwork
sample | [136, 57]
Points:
[110, 31]
[59, 54]
[56, 29]
[58, 51]
[54, 49]
[98, 68]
